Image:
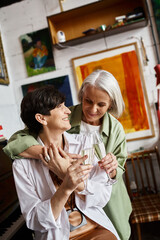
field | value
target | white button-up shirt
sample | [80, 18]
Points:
[35, 188]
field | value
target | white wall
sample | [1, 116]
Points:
[29, 16]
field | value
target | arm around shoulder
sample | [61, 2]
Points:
[19, 142]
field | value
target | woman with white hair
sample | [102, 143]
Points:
[96, 115]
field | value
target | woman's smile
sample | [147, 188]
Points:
[95, 104]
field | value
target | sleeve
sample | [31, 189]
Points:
[19, 142]
[37, 213]
[117, 145]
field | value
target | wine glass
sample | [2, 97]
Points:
[101, 152]
[110, 181]
[90, 153]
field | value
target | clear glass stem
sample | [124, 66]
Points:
[90, 153]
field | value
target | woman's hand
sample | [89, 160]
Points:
[56, 160]
[74, 156]
[73, 180]
[109, 163]
[77, 172]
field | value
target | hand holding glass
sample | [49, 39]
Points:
[101, 149]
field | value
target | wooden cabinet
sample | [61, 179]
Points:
[75, 21]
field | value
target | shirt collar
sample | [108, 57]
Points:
[40, 141]
[105, 124]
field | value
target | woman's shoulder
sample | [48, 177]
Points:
[26, 162]
[27, 165]
[75, 118]
[75, 109]
[112, 119]
[112, 122]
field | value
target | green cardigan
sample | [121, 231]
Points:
[118, 209]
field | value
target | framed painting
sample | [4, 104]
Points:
[156, 11]
[37, 50]
[3, 69]
[61, 83]
[124, 63]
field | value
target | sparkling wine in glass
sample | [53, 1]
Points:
[90, 153]
[102, 153]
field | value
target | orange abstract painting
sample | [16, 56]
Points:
[126, 70]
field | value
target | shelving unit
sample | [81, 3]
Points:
[75, 21]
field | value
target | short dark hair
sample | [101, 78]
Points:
[42, 100]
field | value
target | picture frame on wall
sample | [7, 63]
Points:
[61, 83]
[4, 79]
[37, 51]
[156, 12]
[125, 64]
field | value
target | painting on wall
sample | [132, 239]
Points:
[156, 11]
[37, 50]
[3, 69]
[124, 63]
[61, 83]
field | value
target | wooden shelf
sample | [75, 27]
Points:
[75, 21]
[87, 38]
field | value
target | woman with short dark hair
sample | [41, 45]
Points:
[53, 201]
[101, 105]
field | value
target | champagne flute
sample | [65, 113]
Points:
[90, 153]
[101, 152]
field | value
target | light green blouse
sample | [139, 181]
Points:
[119, 207]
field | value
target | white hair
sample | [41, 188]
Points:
[105, 81]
